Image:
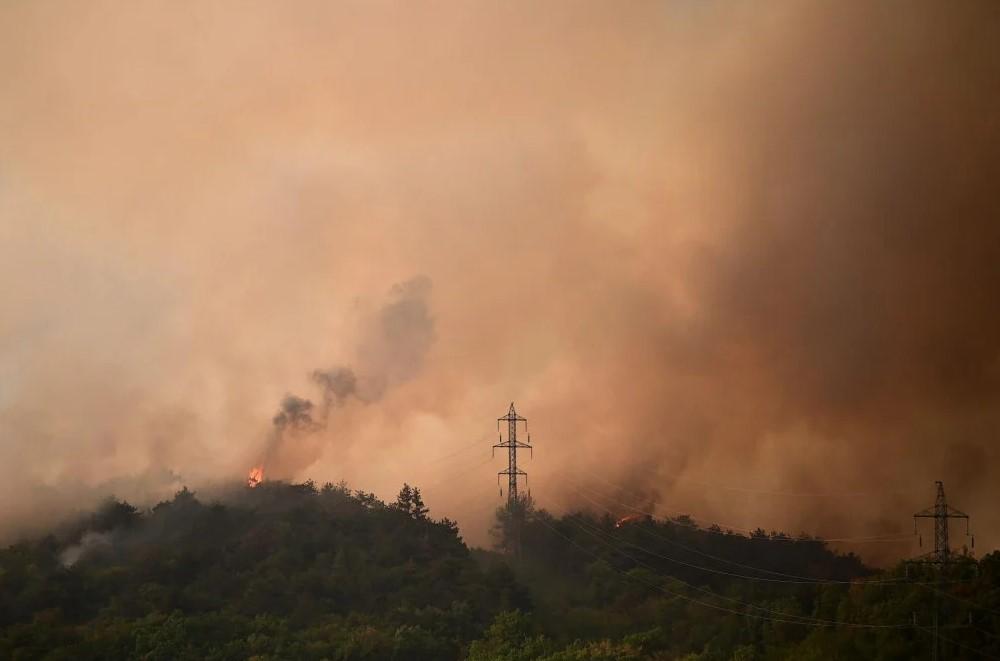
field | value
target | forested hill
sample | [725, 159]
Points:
[294, 572]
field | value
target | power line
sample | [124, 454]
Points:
[694, 525]
[984, 631]
[603, 539]
[482, 506]
[465, 448]
[690, 585]
[665, 590]
[802, 620]
[786, 578]
[716, 528]
[938, 637]
[445, 459]
[465, 469]
[806, 581]
[791, 578]
[985, 609]
[774, 492]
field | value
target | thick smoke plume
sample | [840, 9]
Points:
[338, 384]
[394, 343]
[742, 256]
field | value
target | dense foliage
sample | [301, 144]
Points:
[284, 571]
[295, 572]
[669, 590]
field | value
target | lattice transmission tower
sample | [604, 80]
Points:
[940, 512]
[516, 505]
[941, 557]
[512, 445]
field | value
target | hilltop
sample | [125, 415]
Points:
[296, 571]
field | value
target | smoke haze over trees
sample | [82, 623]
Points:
[719, 252]
[292, 571]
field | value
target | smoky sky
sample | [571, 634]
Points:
[719, 252]
[393, 344]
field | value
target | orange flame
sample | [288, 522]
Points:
[628, 519]
[256, 476]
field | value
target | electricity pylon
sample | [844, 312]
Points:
[940, 512]
[512, 444]
[515, 505]
[941, 557]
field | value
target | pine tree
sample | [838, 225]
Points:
[410, 502]
[404, 501]
[418, 511]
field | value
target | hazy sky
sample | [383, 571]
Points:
[710, 249]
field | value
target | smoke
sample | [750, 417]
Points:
[338, 384]
[399, 336]
[741, 257]
[394, 342]
[295, 414]
[90, 542]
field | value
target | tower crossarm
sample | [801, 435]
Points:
[508, 444]
[930, 513]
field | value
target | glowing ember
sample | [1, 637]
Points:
[256, 476]
[628, 519]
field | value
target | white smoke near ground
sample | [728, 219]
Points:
[90, 542]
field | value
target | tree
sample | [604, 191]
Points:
[418, 511]
[509, 522]
[509, 638]
[404, 501]
[114, 514]
[411, 503]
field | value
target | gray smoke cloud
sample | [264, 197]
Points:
[394, 349]
[394, 342]
[337, 384]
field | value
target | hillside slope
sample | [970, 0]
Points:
[289, 571]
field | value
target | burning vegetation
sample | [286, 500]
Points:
[255, 477]
[631, 518]
[295, 571]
